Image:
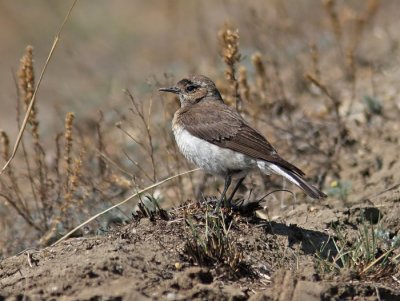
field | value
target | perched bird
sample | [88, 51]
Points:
[217, 139]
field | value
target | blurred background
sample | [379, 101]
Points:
[319, 78]
[107, 46]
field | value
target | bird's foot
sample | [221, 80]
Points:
[219, 205]
[222, 203]
[245, 207]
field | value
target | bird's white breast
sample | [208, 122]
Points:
[210, 157]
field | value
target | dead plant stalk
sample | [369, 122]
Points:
[123, 202]
[32, 101]
[139, 111]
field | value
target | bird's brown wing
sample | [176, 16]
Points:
[222, 126]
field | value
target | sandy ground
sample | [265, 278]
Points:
[281, 242]
[145, 261]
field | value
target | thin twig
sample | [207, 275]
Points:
[108, 159]
[32, 102]
[24, 215]
[140, 112]
[376, 261]
[138, 166]
[336, 104]
[25, 153]
[119, 126]
[122, 202]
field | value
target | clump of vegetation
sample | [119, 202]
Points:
[49, 188]
[339, 189]
[210, 243]
[318, 86]
[373, 253]
[149, 207]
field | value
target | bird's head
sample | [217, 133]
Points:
[194, 89]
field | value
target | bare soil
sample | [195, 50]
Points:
[145, 260]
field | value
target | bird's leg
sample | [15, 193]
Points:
[229, 201]
[228, 180]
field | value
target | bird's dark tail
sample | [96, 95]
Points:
[296, 179]
[312, 191]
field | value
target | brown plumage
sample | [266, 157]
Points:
[215, 137]
[219, 124]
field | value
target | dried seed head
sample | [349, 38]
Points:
[229, 39]
[5, 142]
[26, 85]
[244, 89]
[68, 139]
[314, 54]
[76, 172]
[26, 76]
[256, 58]
[333, 16]
[261, 75]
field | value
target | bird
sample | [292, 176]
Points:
[216, 138]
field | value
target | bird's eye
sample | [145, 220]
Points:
[191, 88]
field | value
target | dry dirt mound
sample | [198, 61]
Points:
[146, 260]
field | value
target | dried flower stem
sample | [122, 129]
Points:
[244, 89]
[68, 139]
[261, 75]
[32, 101]
[336, 105]
[229, 39]
[361, 20]
[26, 89]
[100, 146]
[314, 54]
[138, 110]
[336, 27]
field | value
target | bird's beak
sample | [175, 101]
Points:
[171, 90]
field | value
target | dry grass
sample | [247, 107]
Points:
[46, 192]
[210, 243]
[58, 181]
[371, 255]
